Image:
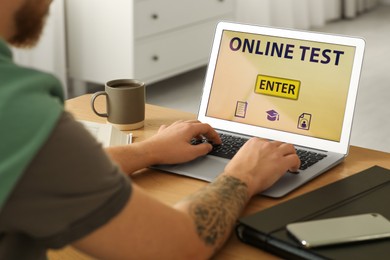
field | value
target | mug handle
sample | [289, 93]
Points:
[94, 96]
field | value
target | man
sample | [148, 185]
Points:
[59, 187]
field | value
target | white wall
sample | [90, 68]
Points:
[332, 10]
[254, 11]
[301, 14]
[355, 7]
[49, 55]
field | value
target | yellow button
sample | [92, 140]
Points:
[277, 87]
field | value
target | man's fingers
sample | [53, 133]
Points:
[287, 148]
[201, 129]
[201, 149]
[192, 121]
[294, 162]
[162, 127]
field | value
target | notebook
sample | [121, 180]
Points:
[293, 86]
[361, 193]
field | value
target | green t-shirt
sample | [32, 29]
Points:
[30, 105]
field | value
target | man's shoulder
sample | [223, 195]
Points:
[31, 102]
[16, 78]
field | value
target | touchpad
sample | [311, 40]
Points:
[205, 168]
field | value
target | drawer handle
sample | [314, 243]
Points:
[154, 16]
[155, 58]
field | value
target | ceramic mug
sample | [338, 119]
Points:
[125, 102]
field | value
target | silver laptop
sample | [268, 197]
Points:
[292, 86]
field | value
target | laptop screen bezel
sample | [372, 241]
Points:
[306, 141]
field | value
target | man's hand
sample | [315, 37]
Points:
[260, 163]
[172, 144]
[204, 219]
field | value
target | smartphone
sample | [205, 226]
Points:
[340, 230]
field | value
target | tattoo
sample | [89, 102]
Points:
[216, 207]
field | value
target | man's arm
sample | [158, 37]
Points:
[170, 145]
[197, 226]
[147, 228]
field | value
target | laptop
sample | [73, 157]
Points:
[293, 86]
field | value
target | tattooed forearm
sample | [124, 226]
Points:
[216, 208]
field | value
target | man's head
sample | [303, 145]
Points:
[27, 23]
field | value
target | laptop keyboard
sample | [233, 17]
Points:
[229, 147]
[309, 158]
[231, 144]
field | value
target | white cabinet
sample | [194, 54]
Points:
[145, 39]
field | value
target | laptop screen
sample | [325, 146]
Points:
[281, 83]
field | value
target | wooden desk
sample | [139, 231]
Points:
[171, 188]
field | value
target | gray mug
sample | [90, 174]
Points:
[125, 99]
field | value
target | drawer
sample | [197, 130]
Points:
[155, 16]
[173, 51]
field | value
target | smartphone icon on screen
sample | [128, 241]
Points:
[340, 230]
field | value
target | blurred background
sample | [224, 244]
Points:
[166, 43]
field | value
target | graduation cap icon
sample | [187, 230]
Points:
[272, 115]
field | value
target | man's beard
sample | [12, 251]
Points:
[29, 23]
